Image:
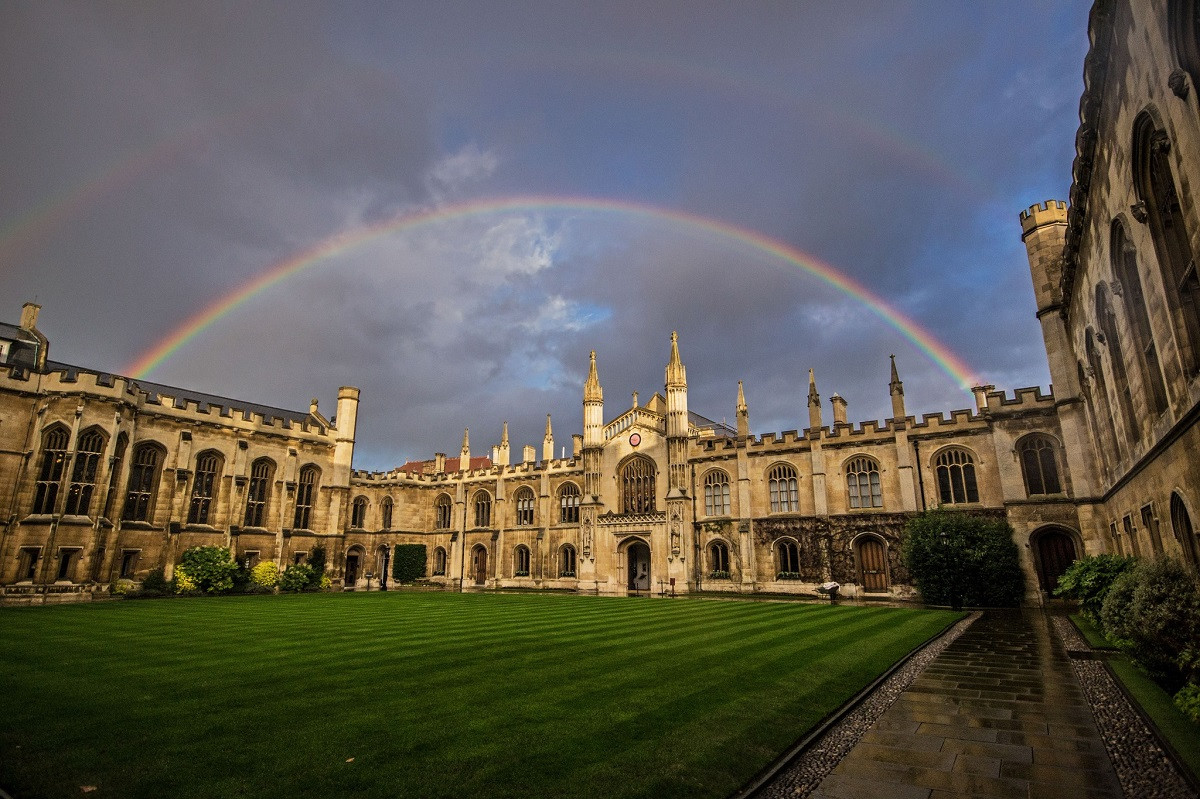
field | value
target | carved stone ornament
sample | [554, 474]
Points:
[1160, 142]
[1139, 211]
[1179, 84]
[1115, 287]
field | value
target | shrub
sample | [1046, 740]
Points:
[184, 584]
[296, 578]
[156, 583]
[211, 568]
[408, 562]
[1088, 580]
[316, 562]
[1188, 701]
[956, 558]
[1153, 613]
[265, 574]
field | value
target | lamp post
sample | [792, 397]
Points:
[387, 551]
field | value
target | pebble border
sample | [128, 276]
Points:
[816, 758]
[1142, 767]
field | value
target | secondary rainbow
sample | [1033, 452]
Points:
[347, 240]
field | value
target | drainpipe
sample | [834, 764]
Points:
[920, 473]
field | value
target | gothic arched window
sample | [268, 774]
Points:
[84, 472]
[441, 512]
[1125, 267]
[862, 483]
[204, 486]
[439, 562]
[716, 493]
[1038, 465]
[637, 485]
[566, 561]
[568, 503]
[143, 482]
[483, 509]
[956, 477]
[718, 560]
[304, 497]
[358, 513]
[385, 513]
[521, 561]
[54, 462]
[1112, 340]
[524, 506]
[258, 492]
[787, 555]
[784, 490]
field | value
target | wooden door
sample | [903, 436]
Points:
[1056, 551]
[872, 559]
[351, 570]
[479, 565]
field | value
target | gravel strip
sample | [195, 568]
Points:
[802, 776]
[1143, 769]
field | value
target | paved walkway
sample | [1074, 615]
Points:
[998, 714]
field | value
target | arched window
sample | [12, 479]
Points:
[1097, 396]
[305, 488]
[521, 561]
[637, 485]
[483, 509]
[1183, 19]
[439, 562]
[441, 512]
[787, 555]
[523, 500]
[204, 486]
[358, 513]
[568, 503]
[258, 492]
[716, 493]
[114, 474]
[54, 461]
[83, 474]
[385, 513]
[862, 483]
[1156, 188]
[956, 477]
[785, 496]
[1125, 267]
[566, 561]
[1038, 465]
[718, 560]
[1112, 340]
[143, 482]
[1181, 524]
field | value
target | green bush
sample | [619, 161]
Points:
[1188, 701]
[211, 568]
[265, 574]
[1153, 613]
[956, 558]
[316, 562]
[156, 583]
[408, 562]
[298, 577]
[1088, 580]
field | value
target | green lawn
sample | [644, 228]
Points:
[425, 694]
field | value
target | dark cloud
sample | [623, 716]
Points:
[157, 157]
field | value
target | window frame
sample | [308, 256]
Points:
[205, 486]
[523, 507]
[863, 477]
[258, 493]
[785, 476]
[141, 492]
[716, 493]
[956, 461]
[85, 472]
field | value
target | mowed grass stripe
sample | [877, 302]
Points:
[431, 694]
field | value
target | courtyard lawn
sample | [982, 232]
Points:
[425, 694]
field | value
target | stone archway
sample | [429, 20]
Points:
[354, 563]
[479, 564]
[635, 557]
[871, 554]
[1054, 551]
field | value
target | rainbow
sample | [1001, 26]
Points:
[347, 240]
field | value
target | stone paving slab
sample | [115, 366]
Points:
[999, 713]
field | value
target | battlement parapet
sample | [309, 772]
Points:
[1051, 212]
[1030, 397]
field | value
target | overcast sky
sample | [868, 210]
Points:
[158, 157]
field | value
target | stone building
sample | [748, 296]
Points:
[107, 478]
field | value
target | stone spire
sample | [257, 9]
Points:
[548, 442]
[743, 414]
[464, 455]
[593, 434]
[677, 423]
[896, 388]
[676, 374]
[504, 452]
[591, 387]
[814, 402]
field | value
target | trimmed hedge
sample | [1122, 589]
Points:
[956, 558]
[408, 562]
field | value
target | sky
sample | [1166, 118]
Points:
[448, 205]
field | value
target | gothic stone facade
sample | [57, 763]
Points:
[108, 478]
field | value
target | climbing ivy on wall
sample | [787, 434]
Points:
[408, 562]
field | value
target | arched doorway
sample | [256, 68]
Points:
[637, 566]
[872, 563]
[1054, 550]
[354, 559]
[479, 559]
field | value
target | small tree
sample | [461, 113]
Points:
[957, 558]
[210, 568]
[408, 562]
[297, 578]
[1089, 579]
